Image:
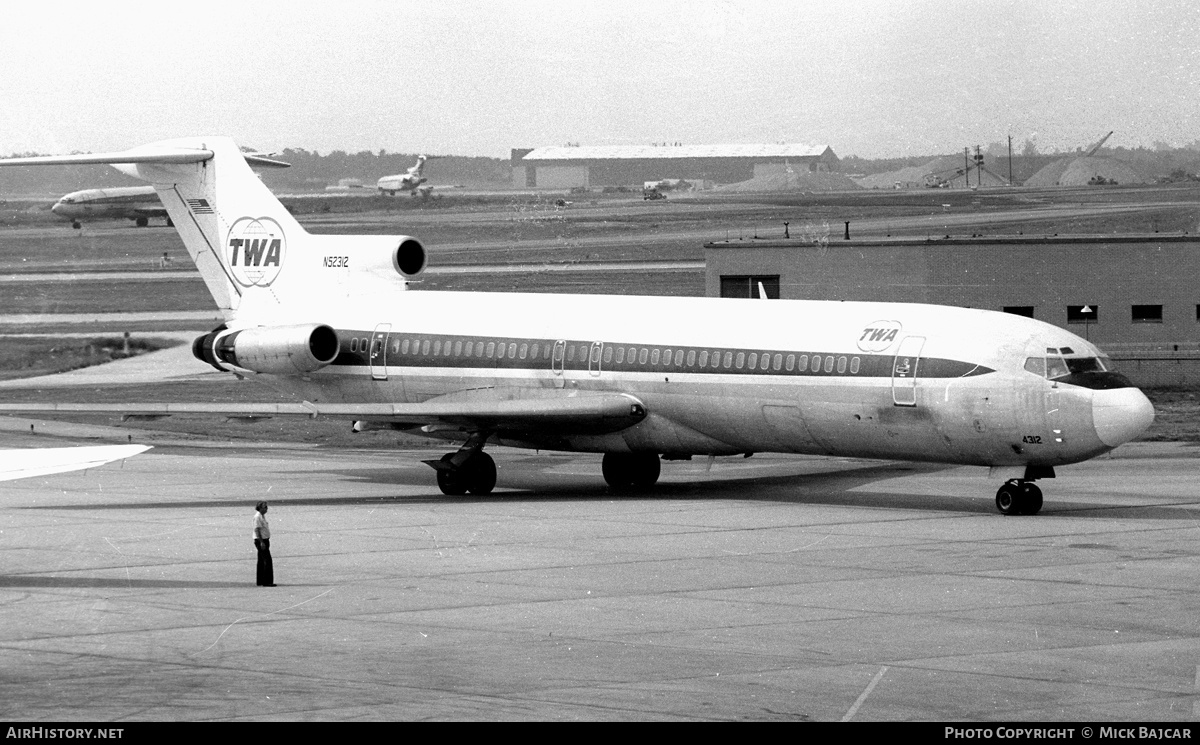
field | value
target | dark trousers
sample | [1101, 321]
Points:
[266, 570]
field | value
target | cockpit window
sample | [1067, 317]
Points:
[1084, 365]
[1054, 366]
[1088, 372]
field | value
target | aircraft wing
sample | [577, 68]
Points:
[20, 464]
[484, 409]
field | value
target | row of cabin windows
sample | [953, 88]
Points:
[622, 355]
[1091, 313]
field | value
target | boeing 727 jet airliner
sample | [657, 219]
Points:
[137, 203]
[409, 181]
[327, 319]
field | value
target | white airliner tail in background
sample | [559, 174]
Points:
[324, 319]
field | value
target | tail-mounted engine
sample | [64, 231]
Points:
[278, 350]
[408, 258]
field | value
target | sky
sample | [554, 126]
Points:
[872, 78]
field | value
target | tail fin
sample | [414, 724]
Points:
[240, 236]
[420, 166]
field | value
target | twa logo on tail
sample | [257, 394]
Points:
[255, 250]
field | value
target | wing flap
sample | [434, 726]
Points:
[482, 409]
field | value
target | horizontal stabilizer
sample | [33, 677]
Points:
[139, 155]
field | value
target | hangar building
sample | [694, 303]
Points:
[569, 167]
[1133, 295]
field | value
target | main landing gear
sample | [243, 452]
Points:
[631, 470]
[468, 470]
[1019, 497]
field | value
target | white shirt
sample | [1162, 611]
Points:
[261, 528]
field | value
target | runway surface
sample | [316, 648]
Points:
[773, 588]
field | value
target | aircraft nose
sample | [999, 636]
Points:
[57, 208]
[1120, 414]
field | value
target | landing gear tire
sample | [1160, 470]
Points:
[481, 474]
[477, 475]
[1032, 497]
[631, 470]
[451, 480]
[77, 225]
[141, 222]
[1019, 498]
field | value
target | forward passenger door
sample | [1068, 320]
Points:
[904, 371]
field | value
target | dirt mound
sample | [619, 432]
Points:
[1083, 170]
[944, 167]
[794, 181]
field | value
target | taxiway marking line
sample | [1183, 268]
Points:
[870, 687]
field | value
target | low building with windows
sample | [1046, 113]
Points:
[1135, 296]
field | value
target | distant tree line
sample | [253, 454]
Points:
[310, 171]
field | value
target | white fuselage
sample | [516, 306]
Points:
[872, 380]
[132, 202]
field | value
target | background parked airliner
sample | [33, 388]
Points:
[137, 203]
[327, 320]
[412, 181]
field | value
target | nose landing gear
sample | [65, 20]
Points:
[1019, 497]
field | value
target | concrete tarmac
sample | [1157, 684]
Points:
[773, 588]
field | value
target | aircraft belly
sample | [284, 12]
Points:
[960, 421]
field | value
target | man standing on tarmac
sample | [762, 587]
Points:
[262, 541]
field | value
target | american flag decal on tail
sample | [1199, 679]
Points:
[199, 206]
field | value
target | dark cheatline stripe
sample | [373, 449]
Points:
[505, 353]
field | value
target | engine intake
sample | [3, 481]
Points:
[409, 257]
[278, 350]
